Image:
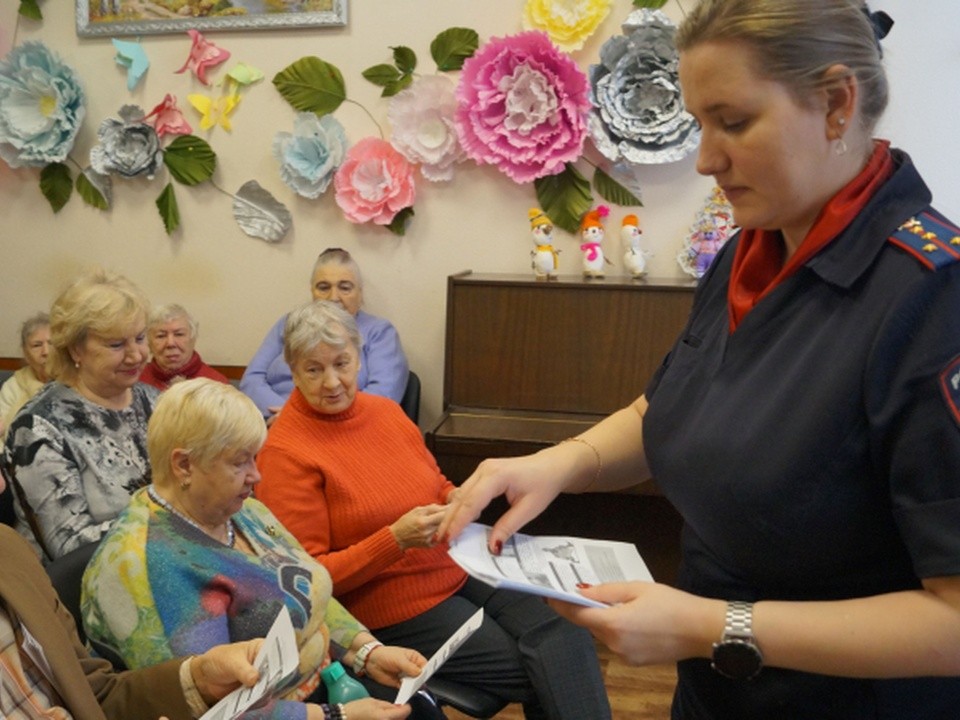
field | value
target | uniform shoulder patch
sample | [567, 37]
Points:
[950, 384]
[930, 239]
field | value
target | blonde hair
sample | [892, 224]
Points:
[795, 42]
[205, 418]
[320, 321]
[98, 301]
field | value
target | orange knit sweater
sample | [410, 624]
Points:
[338, 482]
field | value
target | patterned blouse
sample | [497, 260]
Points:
[78, 462]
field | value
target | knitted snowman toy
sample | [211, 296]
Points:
[591, 236]
[544, 257]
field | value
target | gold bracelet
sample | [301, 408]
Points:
[595, 452]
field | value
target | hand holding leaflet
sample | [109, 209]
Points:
[410, 685]
[549, 566]
[276, 662]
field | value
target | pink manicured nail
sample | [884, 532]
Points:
[584, 586]
[498, 547]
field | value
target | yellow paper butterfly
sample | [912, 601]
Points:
[214, 111]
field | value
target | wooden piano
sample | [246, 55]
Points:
[529, 363]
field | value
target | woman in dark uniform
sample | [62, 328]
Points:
[806, 423]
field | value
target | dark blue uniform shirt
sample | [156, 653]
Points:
[814, 452]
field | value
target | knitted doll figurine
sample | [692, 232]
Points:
[634, 258]
[591, 234]
[544, 257]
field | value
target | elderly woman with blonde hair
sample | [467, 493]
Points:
[28, 380]
[79, 449]
[172, 336]
[195, 561]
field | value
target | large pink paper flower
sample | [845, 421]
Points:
[167, 119]
[374, 183]
[203, 54]
[522, 106]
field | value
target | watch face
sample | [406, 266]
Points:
[737, 659]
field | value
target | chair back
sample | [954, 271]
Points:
[7, 514]
[469, 700]
[19, 497]
[410, 402]
[66, 574]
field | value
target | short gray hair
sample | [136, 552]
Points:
[320, 321]
[171, 311]
[796, 42]
[31, 325]
[337, 256]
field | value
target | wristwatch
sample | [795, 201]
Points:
[737, 655]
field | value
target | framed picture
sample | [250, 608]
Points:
[148, 17]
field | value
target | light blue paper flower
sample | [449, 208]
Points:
[310, 155]
[41, 107]
[128, 146]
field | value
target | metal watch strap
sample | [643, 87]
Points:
[739, 620]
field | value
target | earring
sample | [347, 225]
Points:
[841, 148]
[184, 484]
[841, 121]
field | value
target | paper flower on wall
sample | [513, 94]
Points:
[41, 107]
[311, 154]
[639, 116]
[522, 106]
[128, 146]
[167, 119]
[568, 22]
[374, 183]
[424, 130]
[203, 55]
[131, 56]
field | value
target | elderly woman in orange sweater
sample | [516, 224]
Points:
[350, 476]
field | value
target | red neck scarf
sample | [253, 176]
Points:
[758, 265]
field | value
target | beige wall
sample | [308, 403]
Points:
[238, 286]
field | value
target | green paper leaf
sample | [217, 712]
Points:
[564, 197]
[169, 210]
[393, 88]
[612, 191]
[381, 75]
[30, 9]
[190, 160]
[405, 58]
[56, 184]
[451, 47]
[399, 224]
[91, 193]
[652, 4]
[311, 85]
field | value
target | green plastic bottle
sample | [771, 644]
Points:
[341, 688]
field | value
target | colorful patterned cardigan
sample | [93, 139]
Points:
[159, 588]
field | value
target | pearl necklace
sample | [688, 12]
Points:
[231, 533]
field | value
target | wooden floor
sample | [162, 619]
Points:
[635, 693]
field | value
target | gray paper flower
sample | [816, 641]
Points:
[128, 146]
[638, 115]
[41, 107]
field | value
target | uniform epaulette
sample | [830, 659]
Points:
[931, 240]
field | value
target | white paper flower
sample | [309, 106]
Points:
[41, 107]
[310, 155]
[424, 129]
